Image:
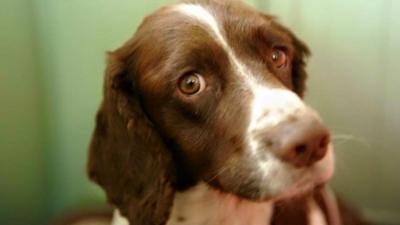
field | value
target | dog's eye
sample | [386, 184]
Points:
[279, 57]
[191, 84]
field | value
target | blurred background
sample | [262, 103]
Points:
[52, 57]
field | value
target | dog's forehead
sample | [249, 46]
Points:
[192, 30]
[208, 20]
[220, 17]
[223, 20]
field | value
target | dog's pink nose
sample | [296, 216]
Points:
[307, 144]
[305, 141]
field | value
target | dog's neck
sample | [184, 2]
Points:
[202, 205]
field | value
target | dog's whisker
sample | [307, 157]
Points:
[340, 139]
[223, 169]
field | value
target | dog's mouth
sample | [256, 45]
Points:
[311, 178]
[277, 181]
[308, 179]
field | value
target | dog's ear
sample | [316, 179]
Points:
[301, 52]
[127, 156]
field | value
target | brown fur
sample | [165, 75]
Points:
[127, 157]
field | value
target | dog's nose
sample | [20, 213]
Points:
[303, 141]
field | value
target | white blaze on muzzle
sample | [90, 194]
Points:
[268, 108]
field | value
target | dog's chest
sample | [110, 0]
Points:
[203, 205]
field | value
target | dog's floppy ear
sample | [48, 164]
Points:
[127, 156]
[299, 63]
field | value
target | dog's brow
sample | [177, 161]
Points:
[205, 17]
[201, 14]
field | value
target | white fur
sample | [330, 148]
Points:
[332, 206]
[201, 205]
[203, 16]
[315, 214]
[204, 205]
[279, 104]
[118, 219]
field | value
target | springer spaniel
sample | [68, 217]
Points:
[203, 123]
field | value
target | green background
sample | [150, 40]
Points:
[52, 57]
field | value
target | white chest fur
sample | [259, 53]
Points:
[203, 205]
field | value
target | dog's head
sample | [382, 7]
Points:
[208, 91]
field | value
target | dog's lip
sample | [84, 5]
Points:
[304, 186]
[324, 170]
[321, 173]
[310, 179]
[299, 189]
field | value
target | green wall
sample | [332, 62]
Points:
[74, 36]
[21, 161]
[52, 57]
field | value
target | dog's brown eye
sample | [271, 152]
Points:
[279, 58]
[191, 84]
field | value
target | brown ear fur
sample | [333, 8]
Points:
[301, 53]
[127, 157]
[299, 63]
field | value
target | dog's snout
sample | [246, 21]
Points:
[302, 141]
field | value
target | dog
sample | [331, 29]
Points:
[203, 123]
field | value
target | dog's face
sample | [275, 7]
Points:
[211, 90]
[222, 84]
